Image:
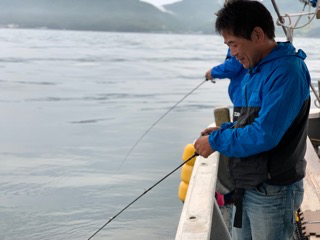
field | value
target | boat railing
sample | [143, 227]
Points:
[201, 218]
[289, 25]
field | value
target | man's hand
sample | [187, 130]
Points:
[208, 75]
[207, 131]
[203, 147]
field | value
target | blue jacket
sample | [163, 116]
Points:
[274, 113]
[232, 69]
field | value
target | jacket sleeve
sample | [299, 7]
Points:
[283, 95]
[227, 125]
[230, 68]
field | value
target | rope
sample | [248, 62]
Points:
[280, 23]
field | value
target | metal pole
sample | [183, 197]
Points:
[315, 94]
[281, 19]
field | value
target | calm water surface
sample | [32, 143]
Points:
[73, 104]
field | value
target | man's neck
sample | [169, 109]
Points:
[269, 45]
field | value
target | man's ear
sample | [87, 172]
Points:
[257, 35]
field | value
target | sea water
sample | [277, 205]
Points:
[72, 105]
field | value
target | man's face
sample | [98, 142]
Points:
[245, 51]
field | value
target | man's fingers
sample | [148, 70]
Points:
[207, 131]
[202, 147]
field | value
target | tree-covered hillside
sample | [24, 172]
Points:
[198, 15]
[186, 16]
[101, 15]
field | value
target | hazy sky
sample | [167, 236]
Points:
[160, 2]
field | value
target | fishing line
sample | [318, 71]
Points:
[111, 219]
[156, 122]
[133, 147]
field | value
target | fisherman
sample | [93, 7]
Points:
[267, 144]
[232, 69]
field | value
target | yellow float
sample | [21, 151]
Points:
[186, 170]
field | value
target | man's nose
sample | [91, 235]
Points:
[233, 52]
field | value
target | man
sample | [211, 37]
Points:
[268, 142]
[232, 69]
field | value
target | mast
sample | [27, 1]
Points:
[286, 20]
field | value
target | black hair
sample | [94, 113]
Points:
[240, 17]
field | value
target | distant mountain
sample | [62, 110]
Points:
[186, 16]
[314, 32]
[196, 15]
[100, 15]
